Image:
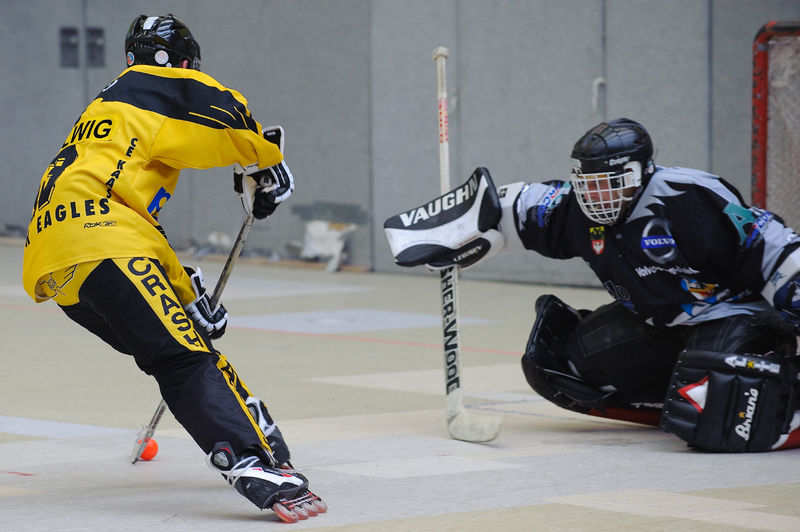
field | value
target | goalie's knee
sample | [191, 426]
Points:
[734, 402]
[546, 368]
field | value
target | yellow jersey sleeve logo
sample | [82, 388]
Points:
[96, 128]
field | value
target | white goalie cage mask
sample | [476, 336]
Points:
[603, 196]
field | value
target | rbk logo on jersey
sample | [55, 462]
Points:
[598, 236]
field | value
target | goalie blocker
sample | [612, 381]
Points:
[458, 228]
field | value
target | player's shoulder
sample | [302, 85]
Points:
[677, 180]
[542, 199]
[681, 178]
[682, 174]
[547, 192]
[174, 74]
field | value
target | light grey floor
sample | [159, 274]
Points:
[351, 366]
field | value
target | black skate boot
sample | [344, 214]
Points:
[284, 491]
[312, 503]
[280, 451]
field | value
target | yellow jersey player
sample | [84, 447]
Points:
[95, 246]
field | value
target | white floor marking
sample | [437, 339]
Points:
[342, 321]
[54, 429]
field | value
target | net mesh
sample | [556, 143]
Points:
[783, 137]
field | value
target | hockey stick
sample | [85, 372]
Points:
[460, 424]
[146, 432]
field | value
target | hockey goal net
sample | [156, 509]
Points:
[776, 120]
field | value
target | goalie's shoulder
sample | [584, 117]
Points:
[684, 178]
[688, 182]
[550, 192]
[541, 199]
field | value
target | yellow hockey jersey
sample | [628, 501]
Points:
[101, 195]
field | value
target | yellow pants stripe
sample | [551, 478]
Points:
[151, 283]
[241, 392]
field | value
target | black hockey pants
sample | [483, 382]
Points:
[130, 304]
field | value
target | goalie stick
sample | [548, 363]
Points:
[460, 424]
[146, 432]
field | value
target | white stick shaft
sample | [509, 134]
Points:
[448, 276]
[440, 56]
[460, 424]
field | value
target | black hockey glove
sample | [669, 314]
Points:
[213, 321]
[261, 190]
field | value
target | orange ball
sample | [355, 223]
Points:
[150, 450]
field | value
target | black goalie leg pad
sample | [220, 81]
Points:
[546, 369]
[732, 403]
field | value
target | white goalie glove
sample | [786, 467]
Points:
[458, 228]
[261, 190]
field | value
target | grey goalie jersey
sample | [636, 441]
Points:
[687, 250]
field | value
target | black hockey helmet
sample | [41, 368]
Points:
[160, 41]
[612, 161]
[608, 146]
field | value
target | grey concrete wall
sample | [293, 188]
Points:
[39, 101]
[353, 83]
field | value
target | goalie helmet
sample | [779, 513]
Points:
[612, 160]
[160, 41]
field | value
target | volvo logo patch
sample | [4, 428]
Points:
[657, 242]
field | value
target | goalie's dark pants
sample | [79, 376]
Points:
[130, 304]
[613, 346]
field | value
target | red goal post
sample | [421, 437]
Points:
[776, 120]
